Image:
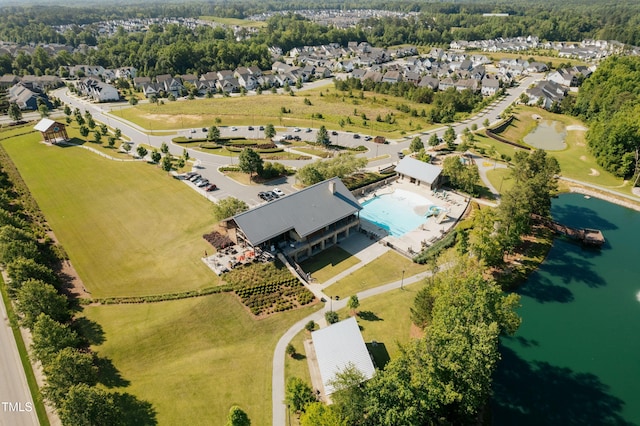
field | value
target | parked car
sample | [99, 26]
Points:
[250, 128]
[334, 133]
[193, 130]
[278, 192]
[367, 138]
[261, 128]
[308, 130]
[205, 130]
[210, 187]
[194, 177]
[234, 128]
[297, 129]
[401, 155]
[356, 136]
[273, 195]
[203, 183]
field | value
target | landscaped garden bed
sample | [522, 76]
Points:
[268, 288]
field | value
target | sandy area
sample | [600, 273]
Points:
[610, 198]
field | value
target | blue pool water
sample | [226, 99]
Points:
[396, 212]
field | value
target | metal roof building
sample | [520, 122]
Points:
[303, 222]
[419, 172]
[336, 347]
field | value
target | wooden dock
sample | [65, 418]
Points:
[587, 236]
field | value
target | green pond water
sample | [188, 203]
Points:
[548, 135]
[576, 358]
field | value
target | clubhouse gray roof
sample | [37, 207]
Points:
[336, 347]
[417, 169]
[305, 211]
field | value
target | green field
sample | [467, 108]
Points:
[333, 261]
[267, 108]
[128, 227]
[576, 162]
[194, 358]
[385, 269]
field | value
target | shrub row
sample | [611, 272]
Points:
[164, 297]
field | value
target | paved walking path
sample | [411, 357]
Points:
[366, 254]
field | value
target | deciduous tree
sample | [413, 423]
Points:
[36, 297]
[250, 162]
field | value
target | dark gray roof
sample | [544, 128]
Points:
[417, 169]
[305, 211]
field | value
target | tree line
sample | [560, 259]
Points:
[32, 261]
[609, 101]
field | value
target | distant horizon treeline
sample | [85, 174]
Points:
[436, 22]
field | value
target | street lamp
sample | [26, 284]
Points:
[402, 281]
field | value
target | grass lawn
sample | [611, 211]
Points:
[385, 269]
[129, 228]
[338, 109]
[576, 162]
[194, 358]
[329, 263]
[501, 179]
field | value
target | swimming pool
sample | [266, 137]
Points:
[397, 213]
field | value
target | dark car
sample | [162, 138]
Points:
[261, 128]
[250, 128]
[356, 136]
[334, 133]
[204, 129]
[211, 187]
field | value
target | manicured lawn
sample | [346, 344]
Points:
[332, 105]
[329, 263]
[501, 179]
[128, 228]
[385, 269]
[576, 162]
[195, 358]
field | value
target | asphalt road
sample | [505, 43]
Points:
[16, 404]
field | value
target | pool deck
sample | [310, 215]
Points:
[433, 229]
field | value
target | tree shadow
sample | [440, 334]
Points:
[72, 143]
[298, 357]
[91, 331]
[134, 412]
[108, 374]
[538, 393]
[369, 316]
[581, 217]
[561, 259]
[379, 353]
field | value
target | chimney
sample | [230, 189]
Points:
[332, 187]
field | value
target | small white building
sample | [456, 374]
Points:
[419, 172]
[338, 346]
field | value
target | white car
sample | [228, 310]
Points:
[233, 129]
[278, 192]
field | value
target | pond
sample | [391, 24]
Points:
[576, 358]
[548, 135]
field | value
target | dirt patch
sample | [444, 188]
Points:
[584, 158]
[594, 172]
[416, 332]
[172, 118]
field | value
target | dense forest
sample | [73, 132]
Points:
[433, 22]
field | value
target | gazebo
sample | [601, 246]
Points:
[51, 130]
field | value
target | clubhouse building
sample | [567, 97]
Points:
[300, 224]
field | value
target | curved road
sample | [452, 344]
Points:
[208, 165]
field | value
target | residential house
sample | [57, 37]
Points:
[428, 81]
[27, 98]
[392, 77]
[490, 85]
[564, 76]
[98, 90]
[545, 93]
[8, 80]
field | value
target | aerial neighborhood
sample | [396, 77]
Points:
[241, 213]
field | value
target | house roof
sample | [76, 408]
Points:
[44, 124]
[305, 211]
[336, 347]
[417, 169]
